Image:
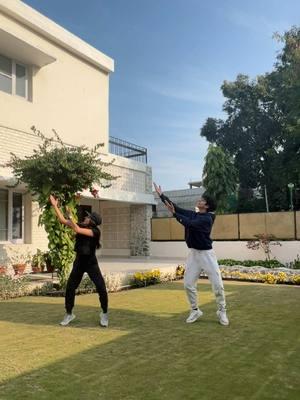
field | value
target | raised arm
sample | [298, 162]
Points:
[165, 199]
[69, 222]
[59, 214]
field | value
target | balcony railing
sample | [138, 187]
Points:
[122, 148]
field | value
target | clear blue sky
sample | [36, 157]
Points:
[171, 57]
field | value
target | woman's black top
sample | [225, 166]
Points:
[87, 245]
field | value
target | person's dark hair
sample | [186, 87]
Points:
[210, 201]
[95, 221]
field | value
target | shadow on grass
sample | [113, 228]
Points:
[158, 356]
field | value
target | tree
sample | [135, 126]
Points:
[285, 83]
[219, 176]
[63, 171]
[262, 128]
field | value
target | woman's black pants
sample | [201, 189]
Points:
[88, 264]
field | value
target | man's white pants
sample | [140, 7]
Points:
[203, 260]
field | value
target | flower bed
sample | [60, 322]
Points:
[261, 274]
[15, 286]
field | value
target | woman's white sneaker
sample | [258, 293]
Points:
[194, 315]
[67, 319]
[104, 319]
[223, 319]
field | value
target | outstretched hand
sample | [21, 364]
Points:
[53, 200]
[157, 189]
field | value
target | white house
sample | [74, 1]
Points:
[52, 79]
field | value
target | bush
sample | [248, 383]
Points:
[11, 287]
[294, 264]
[252, 263]
[180, 271]
[140, 279]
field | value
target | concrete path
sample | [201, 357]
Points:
[135, 264]
[114, 265]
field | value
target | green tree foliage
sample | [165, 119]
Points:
[63, 171]
[262, 128]
[219, 176]
[284, 82]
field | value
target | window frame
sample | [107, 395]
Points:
[14, 78]
[10, 218]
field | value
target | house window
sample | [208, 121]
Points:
[3, 215]
[11, 216]
[13, 77]
[17, 216]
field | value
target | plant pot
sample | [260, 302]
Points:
[49, 267]
[36, 269]
[19, 268]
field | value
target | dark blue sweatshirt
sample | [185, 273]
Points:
[197, 226]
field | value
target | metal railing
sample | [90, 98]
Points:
[122, 148]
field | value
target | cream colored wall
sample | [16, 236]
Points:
[236, 250]
[69, 95]
[115, 228]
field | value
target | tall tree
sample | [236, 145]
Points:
[219, 176]
[285, 85]
[261, 130]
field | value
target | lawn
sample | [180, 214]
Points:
[149, 352]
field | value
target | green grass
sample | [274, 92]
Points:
[149, 352]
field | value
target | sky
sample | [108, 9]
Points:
[171, 58]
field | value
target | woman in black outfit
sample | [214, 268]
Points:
[87, 241]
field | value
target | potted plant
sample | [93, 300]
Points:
[18, 257]
[3, 266]
[38, 262]
[48, 262]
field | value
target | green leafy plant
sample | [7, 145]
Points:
[294, 264]
[18, 257]
[252, 263]
[38, 261]
[219, 176]
[65, 171]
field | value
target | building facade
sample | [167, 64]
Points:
[184, 198]
[51, 79]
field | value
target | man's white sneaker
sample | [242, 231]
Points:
[67, 319]
[194, 315]
[223, 318]
[104, 319]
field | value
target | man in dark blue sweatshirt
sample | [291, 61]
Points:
[198, 225]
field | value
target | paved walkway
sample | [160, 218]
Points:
[126, 265]
[134, 264]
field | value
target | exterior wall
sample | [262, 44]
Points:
[140, 229]
[282, 225]
[186, 198]
[115, 228]
[134, 183]
[38, 234]
[125, 229]
[69, 95]
[235, 250]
